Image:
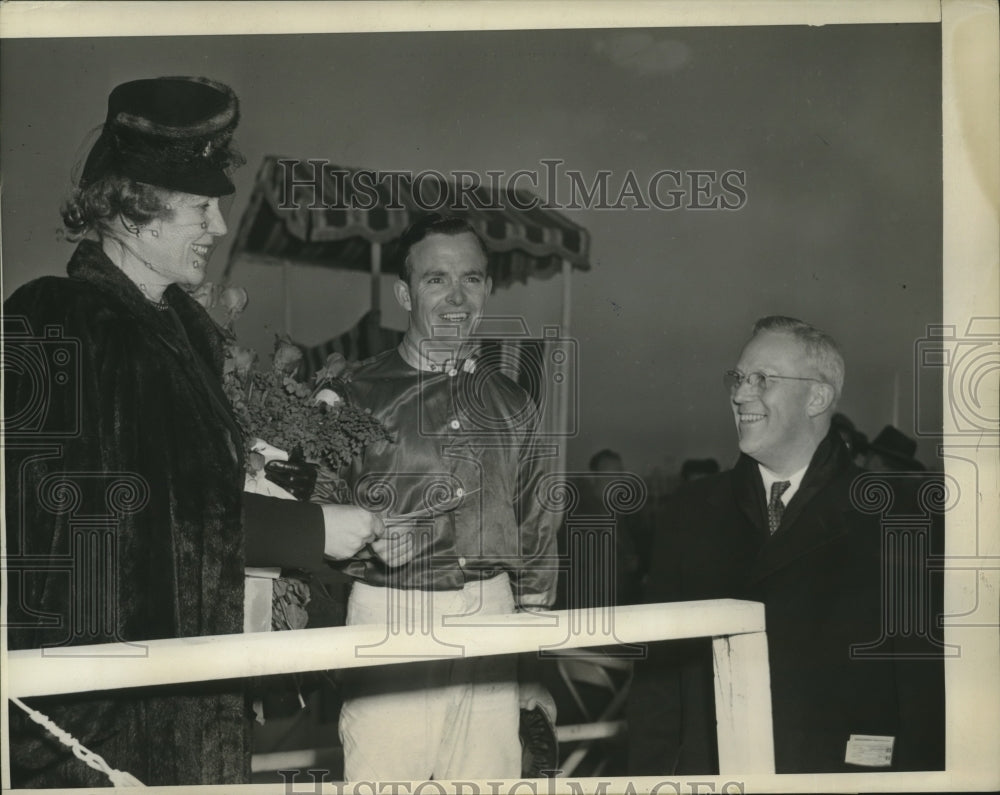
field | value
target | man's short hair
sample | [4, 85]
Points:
[601, 455]
[432, 224]
[820, 347]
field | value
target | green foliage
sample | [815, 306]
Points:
[280, 410]
[274, 406]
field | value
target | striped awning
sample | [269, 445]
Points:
[310, 212]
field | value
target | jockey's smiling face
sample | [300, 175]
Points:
[447, 289]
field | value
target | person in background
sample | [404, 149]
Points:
[125, 513]
[855, 441]
[588, 581]
[784, 528]
[892, 451]
[695, 468]
[468, 534]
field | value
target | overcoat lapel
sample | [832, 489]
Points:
[796, 539]
[805, 525]
[748, 488]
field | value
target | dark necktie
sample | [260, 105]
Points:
[775, 507]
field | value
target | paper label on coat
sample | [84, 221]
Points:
[869, 750]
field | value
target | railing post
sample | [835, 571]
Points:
[257, 598]
[743, 703]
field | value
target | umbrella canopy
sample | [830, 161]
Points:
[310, 212]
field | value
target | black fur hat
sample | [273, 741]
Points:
[172, 132]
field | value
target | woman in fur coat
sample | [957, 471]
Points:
[124, 463]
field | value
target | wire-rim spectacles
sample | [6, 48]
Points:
[734, 379]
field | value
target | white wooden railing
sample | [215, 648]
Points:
[742, 684]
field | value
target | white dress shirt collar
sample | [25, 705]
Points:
[795, 479]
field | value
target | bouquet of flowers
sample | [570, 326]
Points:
[274, 406]
[283, 417]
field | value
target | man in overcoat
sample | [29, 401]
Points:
[856, 670]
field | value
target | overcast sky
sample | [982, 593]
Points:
[837, 130]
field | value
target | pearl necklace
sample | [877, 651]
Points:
[160, 305]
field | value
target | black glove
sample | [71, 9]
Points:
[295, 475]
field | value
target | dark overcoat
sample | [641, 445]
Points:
[124, 477]
[851, 604]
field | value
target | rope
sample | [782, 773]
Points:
[84, 754]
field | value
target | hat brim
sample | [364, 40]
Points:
[203, 183]
[101, 161]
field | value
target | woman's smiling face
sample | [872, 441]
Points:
[177, 247]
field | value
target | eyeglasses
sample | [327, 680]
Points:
[734, 379]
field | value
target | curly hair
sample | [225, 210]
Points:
[95, 207]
